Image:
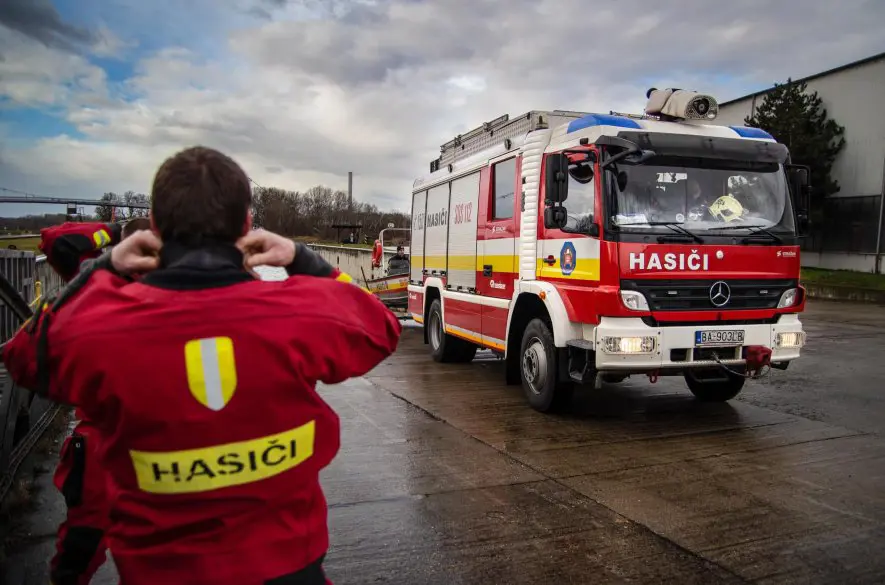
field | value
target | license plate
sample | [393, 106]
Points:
[719, 337]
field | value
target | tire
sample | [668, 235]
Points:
[715, 385]
[445, 348]
[538, 369]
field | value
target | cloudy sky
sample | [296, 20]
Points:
[94, 94]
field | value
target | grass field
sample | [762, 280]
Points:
[843, 278]
[26, 244]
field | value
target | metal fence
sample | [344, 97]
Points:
[847, 224]
[23, 417]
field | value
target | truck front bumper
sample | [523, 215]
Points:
[628, 344]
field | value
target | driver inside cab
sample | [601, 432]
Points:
[642, 200]
[697, 202]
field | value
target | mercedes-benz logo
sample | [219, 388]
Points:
[720, 294]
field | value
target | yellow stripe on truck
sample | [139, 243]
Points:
[500, 263]
[585, 269]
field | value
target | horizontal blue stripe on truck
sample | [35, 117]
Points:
[602, 120]
[746, 132]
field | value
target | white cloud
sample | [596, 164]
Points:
[378, 89]
[109, 45]
[32, 74]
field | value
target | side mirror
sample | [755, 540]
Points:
[555, 179]
[555, 218]
[798, 177]
[803, 223]
[646, 156]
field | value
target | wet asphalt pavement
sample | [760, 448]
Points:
[446, 476]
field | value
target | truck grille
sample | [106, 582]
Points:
[694, 295]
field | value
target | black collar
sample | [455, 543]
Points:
[211, 266]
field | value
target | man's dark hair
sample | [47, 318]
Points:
[200, 196]
[134, 225]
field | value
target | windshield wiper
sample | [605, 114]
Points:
[759, 231]
[676, 227]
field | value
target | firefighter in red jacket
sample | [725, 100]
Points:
[67, 245]
[80, 545]
[205, 389]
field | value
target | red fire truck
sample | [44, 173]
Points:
[587, 247]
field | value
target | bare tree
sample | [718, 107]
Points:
[114, 207]
[314, 212]
[105, 212]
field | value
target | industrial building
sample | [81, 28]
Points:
[852, 94]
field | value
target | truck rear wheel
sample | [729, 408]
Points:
[715, 385]
[538, 369]
[445, 347]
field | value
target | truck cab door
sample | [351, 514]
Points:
[566, 255]
[498, 269]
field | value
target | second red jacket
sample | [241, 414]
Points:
[67, 245]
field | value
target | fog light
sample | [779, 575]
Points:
[789, 298]
[792, 339]
[629, 344]
[633, 300]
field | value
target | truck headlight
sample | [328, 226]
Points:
[629, 344]
[789, 298]
[790, 339]
[635, 301]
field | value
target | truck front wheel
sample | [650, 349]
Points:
[445, 347]
[538, 369]
[714, 385]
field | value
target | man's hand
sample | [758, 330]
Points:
[137, 254]
[261, 247]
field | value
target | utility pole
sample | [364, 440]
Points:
[350, 191]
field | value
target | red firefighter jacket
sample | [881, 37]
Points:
[202, 381]
[68, 245]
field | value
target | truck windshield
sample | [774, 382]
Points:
[701, 195]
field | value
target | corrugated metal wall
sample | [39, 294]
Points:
[852, 97]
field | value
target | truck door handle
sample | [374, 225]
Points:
[487, 270]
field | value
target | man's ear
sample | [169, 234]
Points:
[248, 227]
[153, 223]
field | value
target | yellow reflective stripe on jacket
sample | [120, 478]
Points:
[101, 238]
[211, 371]
[220, 466]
